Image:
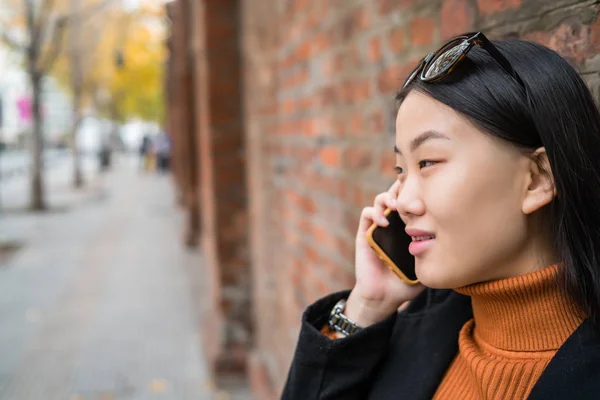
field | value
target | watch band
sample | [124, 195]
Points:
[339, 322]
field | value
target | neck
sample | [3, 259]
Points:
[523, 313]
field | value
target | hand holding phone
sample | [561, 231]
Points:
[378, 291]
[390, 243]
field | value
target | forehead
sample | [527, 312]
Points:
[419, 113]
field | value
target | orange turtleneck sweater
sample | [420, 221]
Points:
[519, 323]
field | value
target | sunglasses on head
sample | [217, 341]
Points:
[440, 63]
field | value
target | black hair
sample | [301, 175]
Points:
[557, 111]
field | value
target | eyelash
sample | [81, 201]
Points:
[399, 170]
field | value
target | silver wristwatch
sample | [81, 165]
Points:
[341, 323]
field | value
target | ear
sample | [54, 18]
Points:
[541, 189]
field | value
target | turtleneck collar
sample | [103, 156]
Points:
[523, 313]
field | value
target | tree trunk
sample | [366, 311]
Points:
[38, 201]
[77, 87]
[77, 173]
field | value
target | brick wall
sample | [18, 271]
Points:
[223, 192]
[319, 81]
[282, 117]
[204, 113]
[182, 128]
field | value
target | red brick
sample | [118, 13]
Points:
[326, 97]
[376, 122]
[300, 5]
[359, 157]
[594, 38]
[321, 43]
[421, 31]
[330, 156]
[325, 125]
[360, 198]
[456, 17]
[309, 127]
[288, 106]
[395, 40]
[384, 7]
[304, 226]
[333, 65]
[374, 49]
[392, 78]
[570, 39]
[345, 248]
[304, 103]
[354, 55]
[306, 204]
[356, 90]
[538, 37]
[318, 13]
[494, 6]
[303, 52]
[387, 162]
[355, 22]
[362, 17]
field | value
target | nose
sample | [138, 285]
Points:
[410, 201]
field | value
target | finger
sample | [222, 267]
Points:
[393, 193]
[381, 202]
[369, 217]
[380, 207]
[387, 201]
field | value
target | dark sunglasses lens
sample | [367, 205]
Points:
[445, 59]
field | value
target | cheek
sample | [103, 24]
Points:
[462, 191]
[476, 212]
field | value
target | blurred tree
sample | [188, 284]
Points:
[118, 73]
[75, 55]
[137, 84]
[114, 67]
[131, 65]
[36, 29]
[121, 64]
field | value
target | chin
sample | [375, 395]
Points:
[437, 278]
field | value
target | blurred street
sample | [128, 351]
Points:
[99, 301]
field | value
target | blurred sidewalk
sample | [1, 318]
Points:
[99, 302]
[58, 178]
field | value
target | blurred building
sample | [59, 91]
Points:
[282, 116]
[16, 98]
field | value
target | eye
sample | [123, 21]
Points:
[398, 170]
[426, 163]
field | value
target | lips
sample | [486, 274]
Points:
[421, 240]
[419, 233]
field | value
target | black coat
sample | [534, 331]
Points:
[406, 355]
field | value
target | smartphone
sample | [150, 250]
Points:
[391, 245]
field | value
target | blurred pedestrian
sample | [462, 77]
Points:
[163, 152]
[498, 184]
[104, 155]
[147, 153]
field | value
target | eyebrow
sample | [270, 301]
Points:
[422, 138]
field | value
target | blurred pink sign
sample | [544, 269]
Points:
[24, 106]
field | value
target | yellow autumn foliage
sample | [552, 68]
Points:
[108, 28]
[134, 88]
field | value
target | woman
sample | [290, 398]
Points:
[498, 161]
